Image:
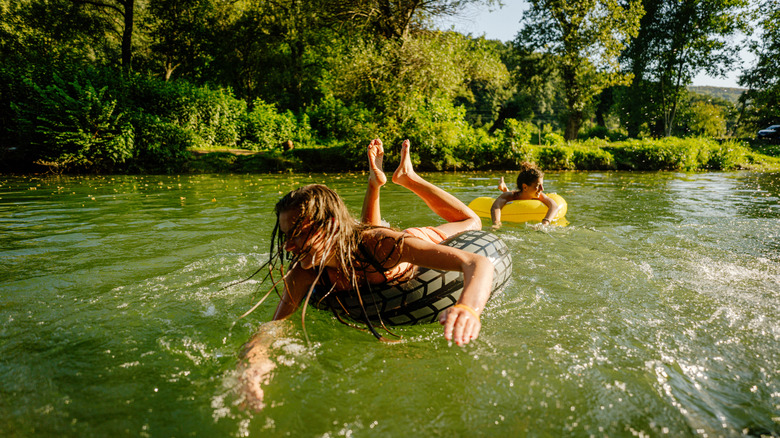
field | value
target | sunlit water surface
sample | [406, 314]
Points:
[654, 313]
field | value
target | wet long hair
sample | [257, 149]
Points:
[529, 173]
[323, 210]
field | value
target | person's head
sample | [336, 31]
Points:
[314, 228]
[530, 180]
[310, 222]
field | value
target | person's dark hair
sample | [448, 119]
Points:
[325, 211]
[529, 173]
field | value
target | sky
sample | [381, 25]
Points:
[504, 23]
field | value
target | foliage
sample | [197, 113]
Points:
[394, 20]
[332, 120]
[162, 146]
[677, 40]
[73, 124]
[707, 120]
[761, 101]
[392, 79]
[553, 139]
[723, 94]
[264, 128]
[137, 85]
[437, 129]
[519, 132]
[588, 37]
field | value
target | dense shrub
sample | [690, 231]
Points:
[437, 129]
[518, 132]
[211, 117]
[556, 157]
[95, 121]
[602, 132]
[592, 158]
[162, 146]
[483, 151]
[264, 128]
[332, 120]
[553, 139]
[74, 125]
[664, 154]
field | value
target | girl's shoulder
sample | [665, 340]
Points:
[514, 195]
[382, 243]
[379, 233]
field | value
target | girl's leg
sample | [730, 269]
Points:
[376, 179]
[458, 215]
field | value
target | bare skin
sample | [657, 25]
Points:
[502, 185]
[458, 215]
[461, 325]
[376, 179]
[256, 367]
[527, 191]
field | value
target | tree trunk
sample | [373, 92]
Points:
[573, 101]
[127, 36]
[573, 124]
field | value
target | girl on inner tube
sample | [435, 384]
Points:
[327, 248]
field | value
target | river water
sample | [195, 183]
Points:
[653, 313]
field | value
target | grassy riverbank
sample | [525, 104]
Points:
[668, 154]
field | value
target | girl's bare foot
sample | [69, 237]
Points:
[502, 185]
[405, 172]
[376, 153]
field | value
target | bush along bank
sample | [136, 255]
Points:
[91, 121]
[668, 154]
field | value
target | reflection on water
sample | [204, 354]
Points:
[653, 313]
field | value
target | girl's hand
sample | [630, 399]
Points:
[461, 324]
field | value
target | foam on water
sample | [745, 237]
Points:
[653, 313]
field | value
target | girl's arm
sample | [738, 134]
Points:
[498, 204]
[256, 367]
[552, 208]
[296, 286]
[460, 324]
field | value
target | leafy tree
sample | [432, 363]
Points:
[37, 34]
[707, 120]
[395, 19]
[587, 36]
[397, 81]
[677, 40]
[761, 101]
[179, 35]
[537, 91]
[122, 12]
[273, 49]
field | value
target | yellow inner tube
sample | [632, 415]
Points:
[519, 211]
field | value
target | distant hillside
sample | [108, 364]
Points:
[729, 94]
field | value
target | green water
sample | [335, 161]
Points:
[654, 313]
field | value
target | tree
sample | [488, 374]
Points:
[178, 33]
[761, 101]
[586, 36]
[677, 40]
[537, 93]
[40, 34]
[395, 19]
[125, 11]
